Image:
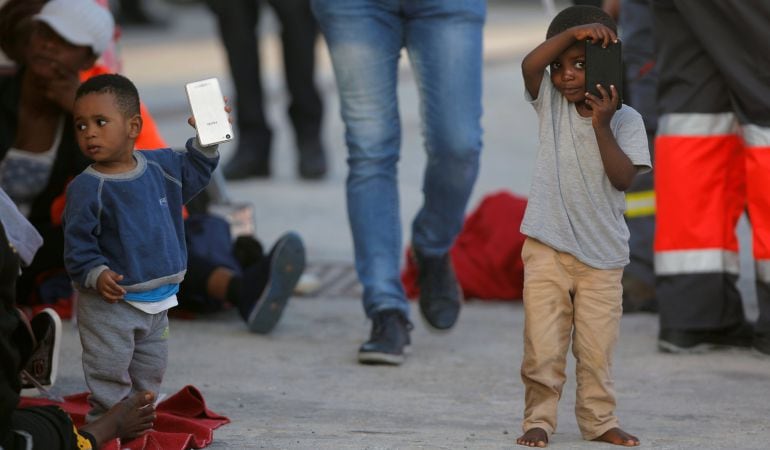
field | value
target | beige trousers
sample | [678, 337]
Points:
[565, 298]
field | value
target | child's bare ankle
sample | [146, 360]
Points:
[618, 437]
[534, 437]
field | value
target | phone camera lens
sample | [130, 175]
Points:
[227, 136]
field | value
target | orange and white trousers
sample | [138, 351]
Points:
[712, 159]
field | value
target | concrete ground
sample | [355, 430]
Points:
[301, 388]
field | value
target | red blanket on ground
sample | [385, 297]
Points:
[183, 421]
[487, 252]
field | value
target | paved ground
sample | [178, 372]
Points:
[300, 387]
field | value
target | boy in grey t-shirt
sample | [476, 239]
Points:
[577, 238]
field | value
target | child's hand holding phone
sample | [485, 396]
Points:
[596, 33]
[210, 113]
[228, 110]
[603, 107]
[604, 66]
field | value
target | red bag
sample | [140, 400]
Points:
[487, 253]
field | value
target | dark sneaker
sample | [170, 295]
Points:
[762, 343]
[678, 341]
[284, 266]
[389, 339]
[251, 159]
[312, 159]
[440, 295]
[43, 364]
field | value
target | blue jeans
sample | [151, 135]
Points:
[443, 39]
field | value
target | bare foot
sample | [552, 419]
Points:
[618, 437]
[128, 419]
[534, 437]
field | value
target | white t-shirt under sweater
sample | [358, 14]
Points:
[572, 205]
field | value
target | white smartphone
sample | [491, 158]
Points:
[208, 109]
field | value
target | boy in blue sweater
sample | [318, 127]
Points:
[124, 240]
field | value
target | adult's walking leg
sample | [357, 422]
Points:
[237, 21]
[299, 33]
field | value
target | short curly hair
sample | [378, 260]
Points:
[126, 94]
[579, 15]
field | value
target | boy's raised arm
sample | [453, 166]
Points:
[537, 60]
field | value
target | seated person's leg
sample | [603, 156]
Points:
[258, 286]
[264, 288]
[49, 427]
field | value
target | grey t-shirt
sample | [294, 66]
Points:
[572, 205]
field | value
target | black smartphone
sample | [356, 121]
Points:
[604, 66]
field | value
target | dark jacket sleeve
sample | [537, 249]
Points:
[9, 322]
[197, 166]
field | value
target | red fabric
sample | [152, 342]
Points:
[183, 421]
[487, 253]
[701, 213]
[63, 307]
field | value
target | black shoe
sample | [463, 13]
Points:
[388, 341]
[440, 295]
[247, 251]
[251, 159]
[312, 159]
[679, 341]
[246, 166]
[284, 266]
[762, 343]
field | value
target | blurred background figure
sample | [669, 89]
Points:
[712, 157]
[634, 19]
[38, 154]
[134, 13]
[237, 20]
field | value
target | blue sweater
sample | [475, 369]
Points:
[131, 222]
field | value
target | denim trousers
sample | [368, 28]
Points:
[443, 39]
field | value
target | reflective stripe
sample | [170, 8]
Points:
[680, 262]
[697, 124]
[756, 136]
[639, 204]
[763, 270]
[28, 439]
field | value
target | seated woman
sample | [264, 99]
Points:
[39, 156]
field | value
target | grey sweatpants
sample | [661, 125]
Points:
[125, 350]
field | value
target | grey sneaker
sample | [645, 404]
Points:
[440, 295]
[389, 339]
[43, 364]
